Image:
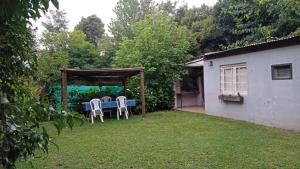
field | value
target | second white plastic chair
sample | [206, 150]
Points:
[106, 99]
[121, 106]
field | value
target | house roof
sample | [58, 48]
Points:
[295, 40]
[195, 63]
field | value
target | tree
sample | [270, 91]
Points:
[62, 49]
[194, 14]
[82, 54]
[56, 24]
[107, 48]
[199, 21]
[159, 45]
[53, 55]
[236, 23]
[20, 130]
[56, 21]
[169, 7]
[128, 12]
[92, 27]
[247, 22]
[285, 16]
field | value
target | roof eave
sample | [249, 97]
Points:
[254, 48]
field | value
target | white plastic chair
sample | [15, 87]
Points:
[121, 106]
[106, 99]
[96, 109]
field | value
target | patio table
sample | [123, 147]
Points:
[109, 105]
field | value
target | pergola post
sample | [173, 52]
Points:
[64, 98]
[125, 87]
[142, 92]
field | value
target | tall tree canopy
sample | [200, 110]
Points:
[245, 22]
[82, 54]
[199, 21]
[159, 45]
[235, 23]
[92, 27]
[167, 6]
[56, 21]
[107, 49]
[55, 43]
[128, 12]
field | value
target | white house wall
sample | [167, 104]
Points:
[270, 102]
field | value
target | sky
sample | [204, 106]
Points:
[76, 9]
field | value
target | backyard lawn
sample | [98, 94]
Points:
[172, 140]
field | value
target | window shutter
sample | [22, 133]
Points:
[283, 71]
[241, 79]
[233, 79]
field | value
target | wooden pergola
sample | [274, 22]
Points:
[100, 77]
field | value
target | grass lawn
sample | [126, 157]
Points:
[172, 140]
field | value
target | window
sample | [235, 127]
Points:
[233, 79]
[282, 71]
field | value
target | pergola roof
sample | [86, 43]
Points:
[100, 76]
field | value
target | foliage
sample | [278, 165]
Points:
[23, 10]
[246, 22]
[168, 7]
[284, 14]
[63, 49]
[56, 21]
[228, 24]
[53, 57]
[20, 132]
[159, 45]
[107, 48]
[236, 23]
[296, 32]
[92, 27]
[200, 23]
[128, 12]
[54, 53]
[177, 140]
[194, 14]
[55, 37]
[82, 53]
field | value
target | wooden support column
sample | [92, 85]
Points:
[125, 87]
[142, 92]
[64, 97]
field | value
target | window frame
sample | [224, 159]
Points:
[273, 67]
[234, 87]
